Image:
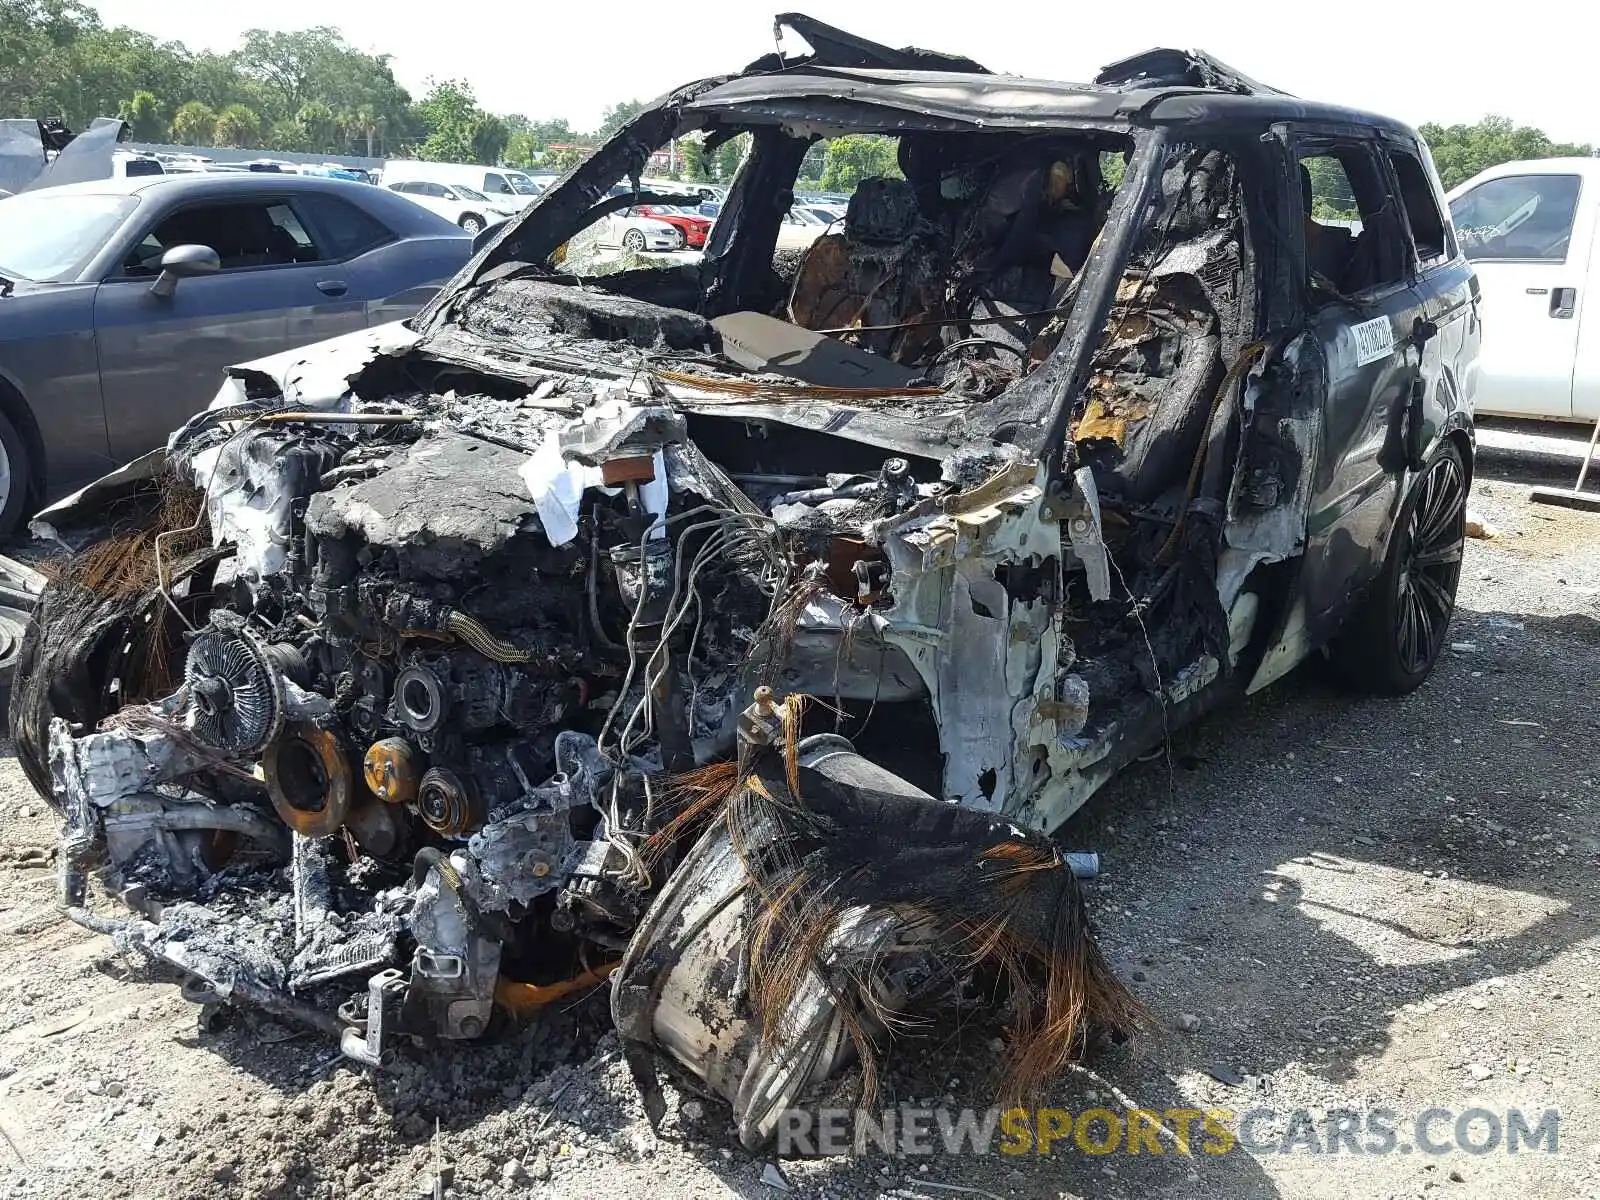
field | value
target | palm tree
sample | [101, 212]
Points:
[237, 126]
[370, 124]
[194, 124]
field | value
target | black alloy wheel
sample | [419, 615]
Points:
[1434, 540]
[1391, 641]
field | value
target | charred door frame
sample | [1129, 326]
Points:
[1360, 472]
[1447, 294]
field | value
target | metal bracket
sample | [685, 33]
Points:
[385, 992]
[1082, 518]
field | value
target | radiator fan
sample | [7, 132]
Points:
[235, 691]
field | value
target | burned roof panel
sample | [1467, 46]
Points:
[1014, 101]
[975, 99]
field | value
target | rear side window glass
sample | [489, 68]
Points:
[263, 234]
[1521, 217]
[1422, 210]
[345, 229]
[284, 218]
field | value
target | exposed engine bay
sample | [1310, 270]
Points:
[604, 627]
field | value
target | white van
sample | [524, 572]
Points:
[505, 187]
[1529, 230]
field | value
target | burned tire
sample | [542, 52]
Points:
[633, 240]
[1390, 644]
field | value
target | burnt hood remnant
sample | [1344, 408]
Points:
[441, 670]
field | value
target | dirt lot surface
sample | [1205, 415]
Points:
[1329, 904]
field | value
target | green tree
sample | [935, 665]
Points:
[193, 124]
[522, 149]
[318, 127]
[1112, 168]
[554, 133]
[562, 161]
[237, 126]
[285, 134]
[36, 42]
[729, 155]
[450, 113]
[1461, 151]
[288, 63]
[696, 162]
[487, 136]
[858, 156]
[143, 115]
[365, 128]
[814, 163]
[216, 81]
[615, 117]
[279, 73]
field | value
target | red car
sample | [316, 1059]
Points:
[692, 227]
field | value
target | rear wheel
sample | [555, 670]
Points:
[472, 224]
[1391, 643]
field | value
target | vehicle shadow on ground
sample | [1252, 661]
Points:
[1220, 901]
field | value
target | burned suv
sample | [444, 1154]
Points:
[740, 629]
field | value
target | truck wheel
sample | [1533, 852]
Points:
[1390, 643]
[16, 470]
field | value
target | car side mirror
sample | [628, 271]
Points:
[485, 235]
[184, 262]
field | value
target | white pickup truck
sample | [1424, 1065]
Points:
[1529, 229]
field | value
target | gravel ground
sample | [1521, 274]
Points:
[1326, 903]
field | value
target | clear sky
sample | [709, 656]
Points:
[554, 58]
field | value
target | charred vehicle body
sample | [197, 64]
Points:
[600, 623]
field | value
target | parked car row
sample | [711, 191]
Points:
[456, 203]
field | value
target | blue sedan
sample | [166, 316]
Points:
[122, 300]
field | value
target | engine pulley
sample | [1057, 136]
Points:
[448, 804]
[392, 769]
[309, 779]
